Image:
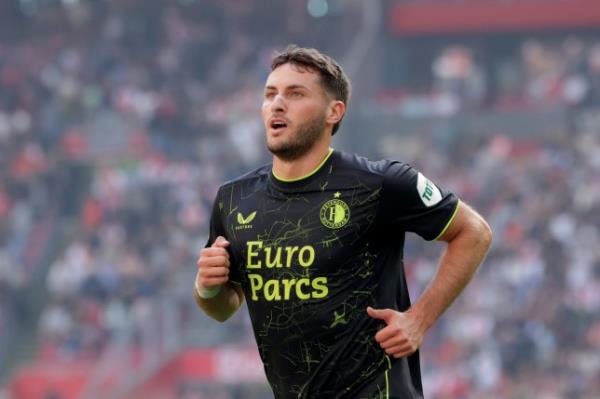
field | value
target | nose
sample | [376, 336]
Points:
[278, 104]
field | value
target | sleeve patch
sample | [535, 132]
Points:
[428, 192]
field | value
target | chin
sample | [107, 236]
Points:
[276, 144]
[278, 150]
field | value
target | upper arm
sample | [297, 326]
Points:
[413, 203]
[465, 219]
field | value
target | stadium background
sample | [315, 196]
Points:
[120, 118]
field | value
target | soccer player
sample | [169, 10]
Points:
[314, 243]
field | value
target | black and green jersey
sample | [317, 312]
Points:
[312, 253]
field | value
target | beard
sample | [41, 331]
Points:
[301, 140]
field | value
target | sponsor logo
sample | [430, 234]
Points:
[335, 213]
[260, 257]
[244, 222]
[428, 192]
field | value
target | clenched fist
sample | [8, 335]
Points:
[213, 265]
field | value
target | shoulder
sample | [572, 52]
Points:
[255, 176]
[361, 164]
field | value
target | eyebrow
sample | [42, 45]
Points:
[291, 87]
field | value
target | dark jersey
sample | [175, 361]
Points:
[311, 254]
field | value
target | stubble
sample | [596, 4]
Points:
[302, 140]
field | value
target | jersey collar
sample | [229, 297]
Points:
[302, 180]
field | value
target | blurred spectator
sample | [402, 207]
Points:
[536, 74]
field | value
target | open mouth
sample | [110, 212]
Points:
[278, 124]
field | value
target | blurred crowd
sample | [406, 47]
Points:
[132, 120]
[464, 77]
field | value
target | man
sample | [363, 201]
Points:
[314, 243]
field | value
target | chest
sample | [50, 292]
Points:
[299, 235]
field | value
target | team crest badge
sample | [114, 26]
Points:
[335, 213]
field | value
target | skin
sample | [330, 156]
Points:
[213, 271]
[295, 95]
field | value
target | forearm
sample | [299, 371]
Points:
[465, 252]
[224, 304]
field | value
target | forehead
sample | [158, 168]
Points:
[293, 75]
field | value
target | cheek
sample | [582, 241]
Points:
[309, 110]
[315, 112]
[265, 111]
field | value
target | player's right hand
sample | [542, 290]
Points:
[213, 265]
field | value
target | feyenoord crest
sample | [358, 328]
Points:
[335, 213]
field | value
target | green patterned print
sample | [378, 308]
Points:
[311, 255]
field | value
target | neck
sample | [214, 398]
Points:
[303, 166]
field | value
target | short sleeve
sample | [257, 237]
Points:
[412, 202]
[216, 229]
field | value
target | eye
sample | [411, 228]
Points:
[297, 94]
[270, 95]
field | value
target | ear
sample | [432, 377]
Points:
[335, 112]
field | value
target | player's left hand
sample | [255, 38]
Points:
[401, 336]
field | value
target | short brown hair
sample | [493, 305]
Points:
[334, 80]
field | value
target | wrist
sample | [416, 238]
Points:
[207, 293]
[420, 319]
